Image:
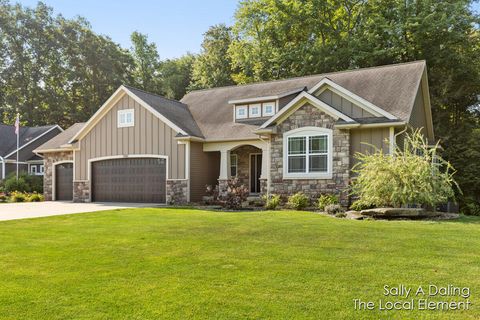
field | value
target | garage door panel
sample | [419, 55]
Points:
[64, 181]
[129, 180]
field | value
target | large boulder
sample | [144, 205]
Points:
[393, 213]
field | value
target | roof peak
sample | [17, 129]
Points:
[326, 74]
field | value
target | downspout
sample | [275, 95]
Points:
[3, 167]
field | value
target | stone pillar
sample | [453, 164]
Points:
[81, 191]
[177, 192]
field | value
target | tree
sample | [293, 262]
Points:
[175, 76]
[147, 63]
[212, 68]
[54, 70]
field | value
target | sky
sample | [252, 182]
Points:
[176, 26]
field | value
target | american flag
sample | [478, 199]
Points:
[17, 124]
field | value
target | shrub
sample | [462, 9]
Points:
[325, 200]
[298, 201]
[415, 174]
[236, 194]
[35, 197]
[271, 203]
[12, 184]
[3, 198]
[360, 205]
[26, 183]
[333, 208]
[17, 197]
[471, 207]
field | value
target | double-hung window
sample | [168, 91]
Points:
[308, 153]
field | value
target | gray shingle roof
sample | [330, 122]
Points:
[8, 138]
[174, 111]
[392, 88]
[62, 138]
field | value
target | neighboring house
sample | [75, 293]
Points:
[30, 138]
[284, 136]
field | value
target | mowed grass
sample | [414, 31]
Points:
[182, 264]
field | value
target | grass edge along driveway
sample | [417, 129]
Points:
[182, 263]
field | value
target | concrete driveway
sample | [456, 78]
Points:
[13, 211]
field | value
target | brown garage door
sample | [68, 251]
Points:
[64, 181]
[129, 180]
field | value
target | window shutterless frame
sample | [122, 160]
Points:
[308, 153]
[125, 118]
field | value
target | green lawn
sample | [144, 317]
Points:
[179, 263]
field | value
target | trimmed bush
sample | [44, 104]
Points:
[12, 185]
[271, 203]
[298, 201]
[325, 200]
[17, 197]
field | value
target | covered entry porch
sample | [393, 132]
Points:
[246, 160]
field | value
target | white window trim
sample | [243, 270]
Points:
[33, 169]
[42, 169]
[125, 112]
[238, 108]
[234, 164]
[307, 132]
[264, 105]
[255, 105]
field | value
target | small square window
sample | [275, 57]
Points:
[241, 112]
[255, 110]
[268, 109]
[126, 118]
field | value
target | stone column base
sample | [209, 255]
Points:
[263, 186]
[81, 191]
[222, 187]
[177, 192]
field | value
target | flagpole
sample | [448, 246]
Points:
[18, 140]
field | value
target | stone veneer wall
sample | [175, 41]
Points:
[305, 116]
[81, 191]
[177, 191]
[49, 159]
[243, 163]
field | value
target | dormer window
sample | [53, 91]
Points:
[268, 109]
[255, 110]
[241, 112]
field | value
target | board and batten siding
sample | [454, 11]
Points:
[343, 105]
[149, 135]
[204, 170]
[362, 139]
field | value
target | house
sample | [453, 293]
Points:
[30, 138]
[283, 136]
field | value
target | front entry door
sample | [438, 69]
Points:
[255, 172]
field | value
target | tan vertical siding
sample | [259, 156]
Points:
[418, 118]
[149, 136]
[343, 105]
[361, 139]
[204, 170]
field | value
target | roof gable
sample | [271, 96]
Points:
[28, 135]
[173, 113]
[301, 100]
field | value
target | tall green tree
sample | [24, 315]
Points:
[147, 63]
[54, 70]
[176, 75]
[212, 68]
